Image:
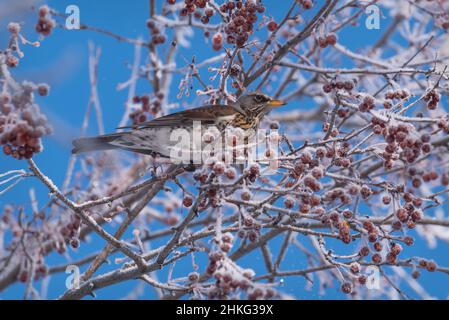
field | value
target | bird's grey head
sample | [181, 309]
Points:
[256, 103]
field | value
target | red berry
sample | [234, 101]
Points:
[12, 61]
[272, 26]
[217, 41]
[43, 90]
[187, 201]
[364, 251]
[431, 266]
[230, 173]
[205, 19]
[362, 279]
[75, 243]
[408, 240]
[377, 246]
[246, 195]
[307, 4]
[193, 276]
[346, 287]
[219, 168]
[23, 276]
[376, 258]
[327, 88]
[331, 39]
[355, 267]
[289, 203]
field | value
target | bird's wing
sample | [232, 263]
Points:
[206, 114]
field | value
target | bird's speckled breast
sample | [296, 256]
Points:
[243, 122]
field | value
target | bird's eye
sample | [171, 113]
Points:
[259, 98]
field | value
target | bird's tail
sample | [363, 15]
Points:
[95, 143]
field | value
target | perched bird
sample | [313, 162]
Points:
[154, 137]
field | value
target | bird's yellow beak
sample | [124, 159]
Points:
[277, 103]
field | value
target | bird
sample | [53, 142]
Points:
[154, 137]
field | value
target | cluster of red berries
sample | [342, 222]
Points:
[9, 59]
[139, 116]
[229, 279]
[391, 252]
[147, 107]
[309, 169]
[156, 36]
[40, 271]
[202, 15]
[408, 215]
[337, 194]
[418, 176]
[195, 7]
[340, 155]
[215, 168]
[70, 232]
[213, 196]
[343, 160]
[401, 143]
[429, 265]
[242, 17]
[249, 229]
[342, 112]
[347, 85]
[45, 24]
[312, 183]
[328, 40]
[309, 203]
[252, 172]
[432, 98]
[367, 104]
[400, 94]
[305, 162]
[226, 242]
[22, 125]
[355, 268]
[334, 132]
[372, 230]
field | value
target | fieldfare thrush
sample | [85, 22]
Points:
[154, 137]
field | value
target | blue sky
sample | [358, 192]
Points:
[61, 61]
